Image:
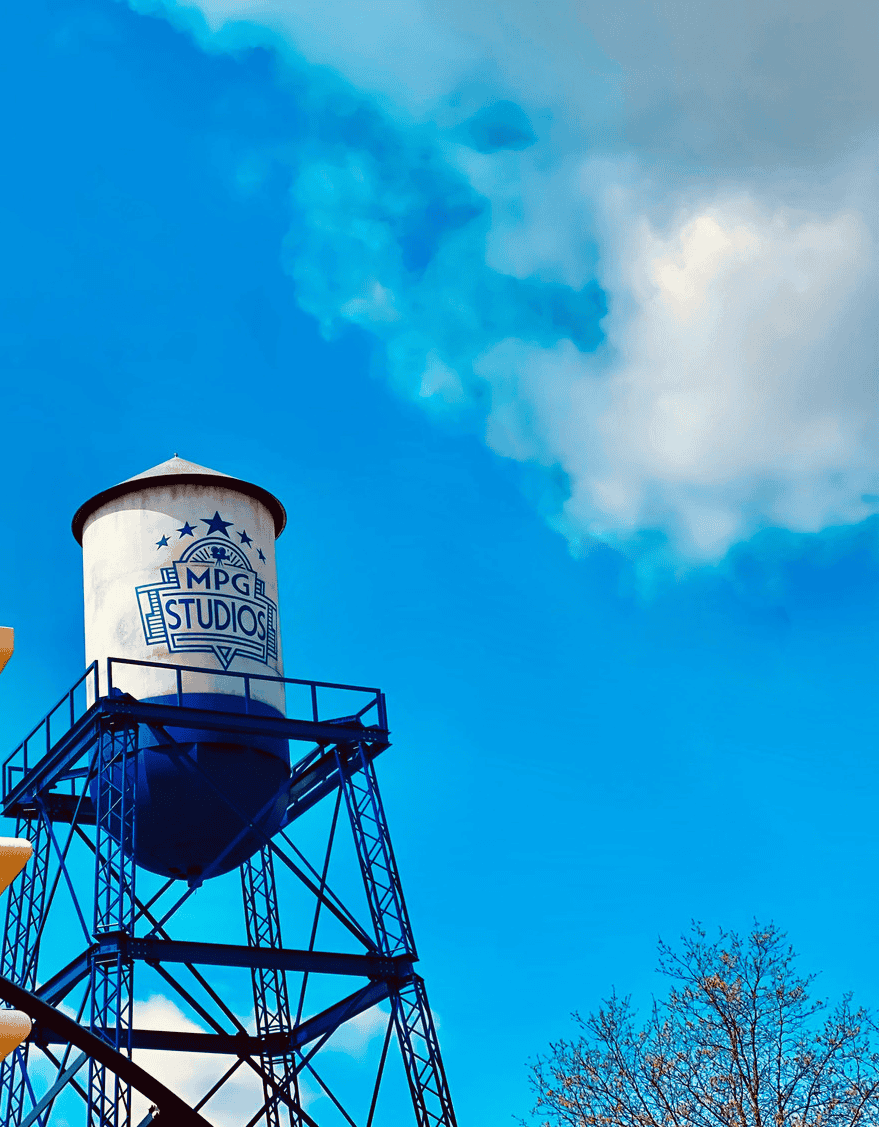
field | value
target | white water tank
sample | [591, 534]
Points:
[179, 567]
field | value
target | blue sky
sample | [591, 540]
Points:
[556, 343]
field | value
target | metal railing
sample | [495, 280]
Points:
[57, 722]
[318, 701]
[315, 689]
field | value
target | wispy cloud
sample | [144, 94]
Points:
[636, 243]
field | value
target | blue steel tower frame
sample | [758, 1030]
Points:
[71, 786]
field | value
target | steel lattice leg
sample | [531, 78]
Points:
[112, 975]
[421, 1054]
[270, 996]
[415, 1030]
[24, 916]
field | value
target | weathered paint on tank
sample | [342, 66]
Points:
[163, 566]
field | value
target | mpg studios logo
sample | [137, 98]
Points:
[211, 600]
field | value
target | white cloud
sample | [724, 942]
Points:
[727, 397]
[713, 166]
[190, 1075]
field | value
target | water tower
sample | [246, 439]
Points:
[183, 753]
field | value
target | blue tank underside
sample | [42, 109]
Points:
[183, 821]
[216, 702]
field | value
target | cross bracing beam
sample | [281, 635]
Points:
[284, 958]
[64, 1078]
[323, 778]
[60, 984]
[396, 969]
[62, 807]
[236, 1044]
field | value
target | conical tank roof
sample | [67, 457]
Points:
[173, 468]
[182, 473]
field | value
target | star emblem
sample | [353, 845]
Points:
[186, 530]
[216, 524]
[261, 556]
[163, 543]
[244, 538]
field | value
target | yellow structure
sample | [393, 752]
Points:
[15, 1027]
[7, 644]
[15, 852]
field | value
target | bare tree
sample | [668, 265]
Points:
[738, 1042]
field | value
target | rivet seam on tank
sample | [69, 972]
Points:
[210, 599]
